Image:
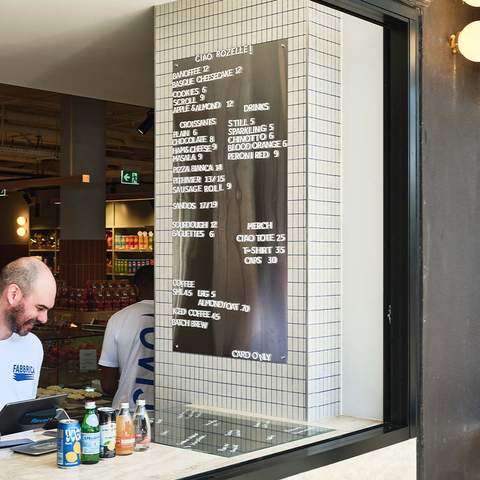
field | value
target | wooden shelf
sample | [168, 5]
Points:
[44, 229]
[130, 251]
[44, 250]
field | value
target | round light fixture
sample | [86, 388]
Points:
[467, 42]
[21, 232]
[21, 221]
[472, 3]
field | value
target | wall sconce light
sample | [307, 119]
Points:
[467, 42]
[472, 3]
[22, 229]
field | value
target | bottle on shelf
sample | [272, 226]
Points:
[90, 439]
[125, 440]
[143, 433]
[142, 240]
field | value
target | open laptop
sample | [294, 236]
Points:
[28, 414]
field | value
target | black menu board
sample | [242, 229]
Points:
[230, 203]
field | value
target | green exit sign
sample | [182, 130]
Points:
[129, 177]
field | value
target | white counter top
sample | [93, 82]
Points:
[396, 462]
[160, 462]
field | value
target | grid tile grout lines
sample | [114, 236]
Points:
[324, 237]
[186, 28]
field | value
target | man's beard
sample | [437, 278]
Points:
[17, 323]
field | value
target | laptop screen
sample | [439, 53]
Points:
[28, 414]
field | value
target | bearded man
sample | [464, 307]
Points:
[27, 290]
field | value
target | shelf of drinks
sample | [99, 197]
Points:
[129, 251]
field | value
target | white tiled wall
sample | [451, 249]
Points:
[324, 211]
[188, 27]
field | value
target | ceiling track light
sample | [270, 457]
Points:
[148, 123]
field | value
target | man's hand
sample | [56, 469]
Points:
[109, 380]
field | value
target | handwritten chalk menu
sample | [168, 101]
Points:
[230, 203]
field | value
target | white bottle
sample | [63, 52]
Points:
[142, 427]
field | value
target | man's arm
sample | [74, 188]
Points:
[108, 361]
[109, 380]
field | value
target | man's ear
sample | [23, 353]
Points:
[14, 294]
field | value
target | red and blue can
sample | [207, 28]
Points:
[68, 443]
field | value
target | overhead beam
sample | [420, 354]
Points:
[27, 151]
[109, 162]
[39, 153]
[25, 171]
[45, 182]
[30, 101]
[37, 122]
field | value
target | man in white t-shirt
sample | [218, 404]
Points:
[127, 358]
[27, 292]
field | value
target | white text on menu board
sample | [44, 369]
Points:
[246, 139]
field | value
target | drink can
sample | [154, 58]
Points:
[68, 443]
[108, 431]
